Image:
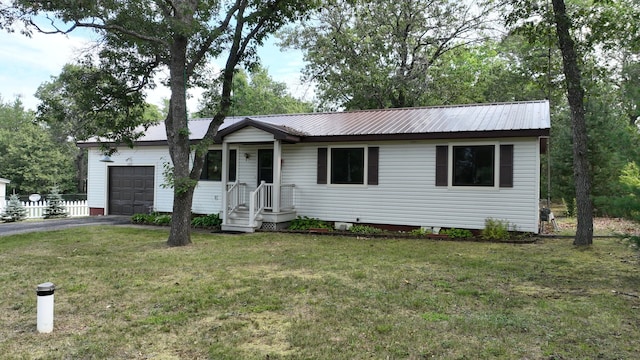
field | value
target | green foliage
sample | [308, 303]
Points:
[86, 101]
[626, 202]
[154, 218]
[381, 54]
[211, 220]
[14, 211]
[254, 93]
[167, 175]
[30, 155]
[421, 231]
[570, 206]
[633, 239]
[143, 218]
[457, 233]
[495, 229]
[54, 208]
[364, 230]
[305, 223]
[164, 219]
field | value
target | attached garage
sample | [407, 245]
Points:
[130, 189]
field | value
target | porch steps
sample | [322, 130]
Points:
[239, 222]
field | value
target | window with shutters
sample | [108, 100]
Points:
[474, 166]
[348, 165]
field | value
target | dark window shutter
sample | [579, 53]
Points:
[442, 165]
[233, 166]
[322, 165]
[506, 165]
[372, 175]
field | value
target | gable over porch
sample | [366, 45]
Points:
[254, 195]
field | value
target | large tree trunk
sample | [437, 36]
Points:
[177, 128]
[575, 95]
[80, 162]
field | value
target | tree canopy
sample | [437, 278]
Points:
[29, 153]
[254, 93]
[380, 54]
[140, 38]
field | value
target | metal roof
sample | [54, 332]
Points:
[528, 118]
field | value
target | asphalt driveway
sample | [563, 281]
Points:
[59, 224]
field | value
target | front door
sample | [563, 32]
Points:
[265, 166]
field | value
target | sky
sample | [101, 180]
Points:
[25, 63]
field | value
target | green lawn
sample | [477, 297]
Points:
[122, 294]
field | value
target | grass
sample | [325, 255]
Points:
[122, 294]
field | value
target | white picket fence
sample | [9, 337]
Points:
[35, 209]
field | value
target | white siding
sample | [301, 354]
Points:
[248, 135]
[407, 195]
[207, 195]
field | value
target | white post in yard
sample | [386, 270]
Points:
[45, 307]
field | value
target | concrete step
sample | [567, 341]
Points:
[237, 228]
[242, 214]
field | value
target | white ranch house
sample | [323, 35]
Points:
[440, 167]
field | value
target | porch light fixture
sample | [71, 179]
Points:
[106, 159]
[247, 156]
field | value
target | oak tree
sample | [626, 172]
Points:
[254, 93]
[379, 54]
[140, 38]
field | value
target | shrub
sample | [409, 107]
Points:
[162, 220]
[421, 231]
[496, 229]
[571, 207]
[364, 230]
[140, 218]
[625, 203]
[457, 233]
[54, 208]
[15, 211]
[211, 220]
[634, 240]
[306, 223]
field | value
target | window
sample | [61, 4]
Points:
[474, 165]
[348, 165]
[213, 166]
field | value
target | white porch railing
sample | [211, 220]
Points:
[287, 197]
[258, 201]
[35, 210]
[262, 198]
[236, 195]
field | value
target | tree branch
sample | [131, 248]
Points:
[215, 33]
[122, 30]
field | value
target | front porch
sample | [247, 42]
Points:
[254, 196]
[268, 207]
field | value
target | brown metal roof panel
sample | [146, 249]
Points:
[443, 119]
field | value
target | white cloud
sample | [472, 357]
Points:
[27, 62]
